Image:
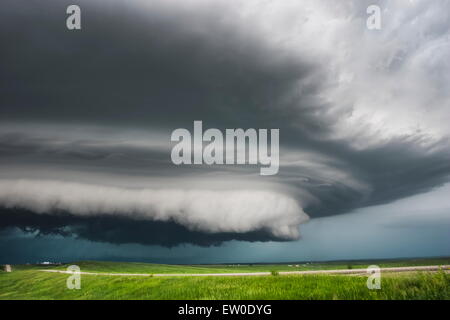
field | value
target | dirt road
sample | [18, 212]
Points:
[337, 271]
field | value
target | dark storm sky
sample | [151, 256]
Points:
[86, 118]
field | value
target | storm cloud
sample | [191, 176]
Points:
[86, 115]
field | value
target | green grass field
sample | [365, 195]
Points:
[26, 282]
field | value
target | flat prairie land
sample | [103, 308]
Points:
[29, 282]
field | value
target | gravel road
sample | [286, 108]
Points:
[337, 271]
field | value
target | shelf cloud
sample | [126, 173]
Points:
[198, 210]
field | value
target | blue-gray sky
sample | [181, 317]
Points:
[86, 117]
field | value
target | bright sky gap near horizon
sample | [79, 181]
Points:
[86, 118]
